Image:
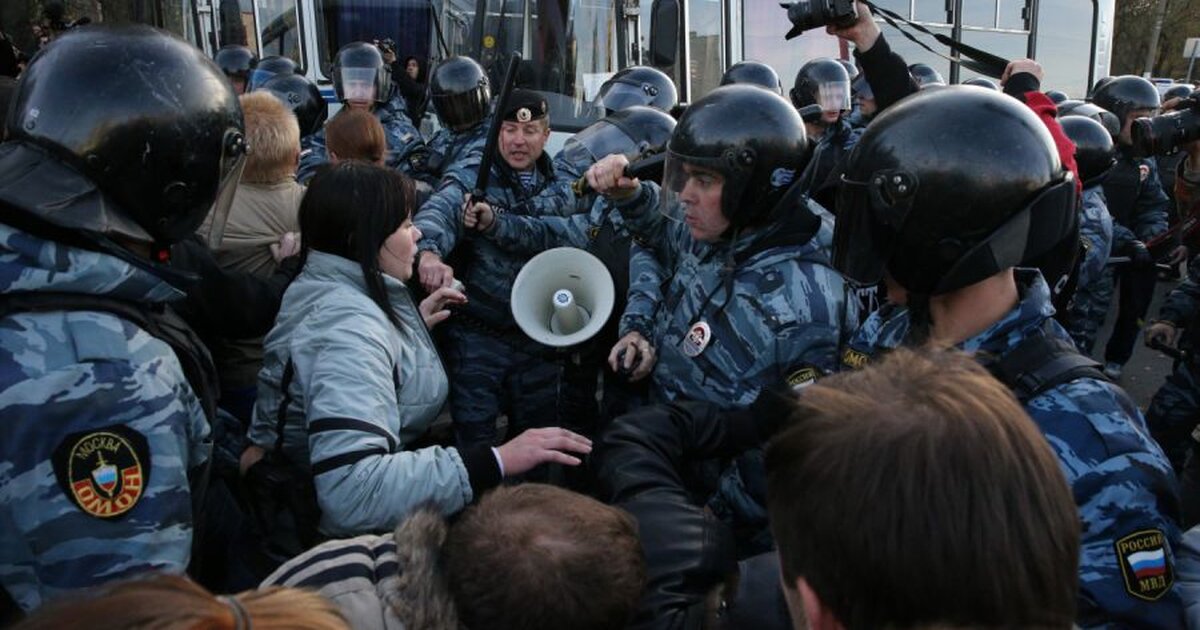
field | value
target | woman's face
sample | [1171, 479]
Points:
[396, 255]
[413, 68]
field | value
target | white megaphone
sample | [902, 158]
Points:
[562, 297]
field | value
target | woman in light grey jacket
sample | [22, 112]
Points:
[350, 375]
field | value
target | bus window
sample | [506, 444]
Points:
[280, 32]
[1063, 44]
[237, 23]
[341, 22]
[704, 37]
[765, 24]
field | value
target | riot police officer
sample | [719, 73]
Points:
[638, 85]
[824, 82]
[753, 73]
[237, 62]
[304, 99]
[269, 67]
[1138, 205]
[946, 225]
[104, 392]
[1095, 155]
[362, 81]
[461, 93]
[751, 302]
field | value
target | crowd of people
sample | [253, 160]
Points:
[846, 383]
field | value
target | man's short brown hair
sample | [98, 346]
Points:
[274, 138]
[536, 556]
[917, 492]
[356, 134]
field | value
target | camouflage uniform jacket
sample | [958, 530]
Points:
[406, 150]
[361, 391]
[1123, 485]
[736, 318]
[99, 429]
[486, 269]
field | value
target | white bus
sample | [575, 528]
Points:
[571, 46]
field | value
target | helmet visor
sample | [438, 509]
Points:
[232, 165]
[358, 84]
[603, 139]
[834, 96]
[867, 227]
[618, 94]
[258, 78]
[694, 192]
[461, 111]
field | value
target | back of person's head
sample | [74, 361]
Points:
[355, 134]
[536, 556]
[170, 602]
[349, 210]
[274, 138]
[917, 493]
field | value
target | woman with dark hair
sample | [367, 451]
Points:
[351, 377]
[409, 77]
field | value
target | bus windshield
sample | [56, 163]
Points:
[569, 47]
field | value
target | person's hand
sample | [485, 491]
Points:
[478, 215]
[1022, 65]
[1139, 255]
[864, 32]
[637, 352]
[434, 308]
[607, 177]
[288, 245]
[432, 272]
[250, 457]
[540, 446]
[1177, 255]
[1161, 333]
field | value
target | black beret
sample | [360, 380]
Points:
[525, 105]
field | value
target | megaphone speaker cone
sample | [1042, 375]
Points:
[562, 297]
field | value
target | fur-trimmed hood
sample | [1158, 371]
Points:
[381, 582]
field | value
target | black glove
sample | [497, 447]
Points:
[1139, 255]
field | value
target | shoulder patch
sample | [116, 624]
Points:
[802, 377]
[104, 472]
[855, 359]
[1144, 564]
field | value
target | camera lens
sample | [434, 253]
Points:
[1163, 134]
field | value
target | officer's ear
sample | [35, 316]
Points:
[807, 609]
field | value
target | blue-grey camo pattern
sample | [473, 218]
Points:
[1093, 291]
[1175, 409]
[782, 309]
[64, 375]
[1121, 480]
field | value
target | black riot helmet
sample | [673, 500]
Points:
[753, 73]
[269, 67]
[949, 187]
[1179, 90]
[1066, 106]
[634, 131]
[1107, 119]
[758, 157]
[638, 85]
[1126, 94]
[1057, 97]
[1101, 82]
[302, 97]
[983, 82]
[1095, 153]
[925, 75]
[359, 74]
[237, 62]
[164, 144]
[460, 92]
[822, 81]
